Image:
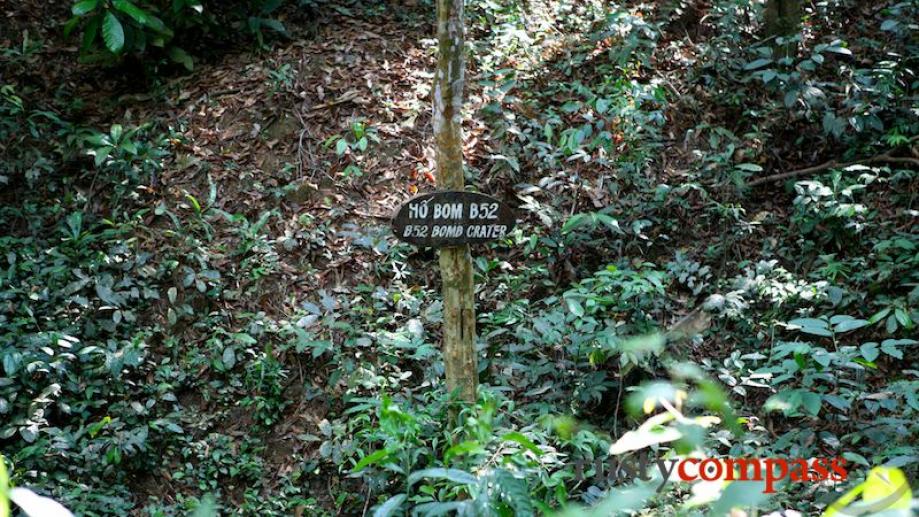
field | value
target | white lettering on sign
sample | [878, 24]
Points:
[486, 231]
[415, 230]
[418, 210]
[448, 211]
[483, 211]
[451, 231]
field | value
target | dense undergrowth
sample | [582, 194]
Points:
[154, 356]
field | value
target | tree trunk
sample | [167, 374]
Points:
[455, 262]
[783, 19]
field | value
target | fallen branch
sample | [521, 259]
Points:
[884, 157]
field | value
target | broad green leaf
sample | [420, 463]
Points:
[811, 402]
[84, 7]
[439, 509]
[759, 63]
[610, 223]
[878, 316]
[207, 507]
[749, 167]
[341, 146]
[229, 357]
[889, 25]
[575, 307]
[854, 457]
[455, 475]
[108, 296]
[463, 448]
[391, 506]
[603, 105]
[850, 325]
[903, 318]
[370, 459]
[621, 501]
[740, 494]
[869, 351]
[812, 326]
[138, 14]
[785, 401]
[113, 33]
[523, 441]
[575, 221]
[178, 55]
[839, 50]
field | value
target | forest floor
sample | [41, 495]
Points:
[266, 183]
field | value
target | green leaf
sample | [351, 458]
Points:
[177, 55]
[438, 509]
[229, 357]
[869, 351]
[740, 494]
[455, 475]
[603, 105]
[370, 459]
[274, 25]
[759, 63]
[84, 7]
[90, 33]
[108, 296]
[889, 25]
[524, 442]
[575, 307]
[341, 146]
[878, 316]
[839, 50]
[610, 223]
[621, 501]
[575, 221]
[890, 347]
[850, 325]
[856, 458]
[462, 448]
[749, 167]
[903, 318]
[811, 402]
[113, 33]
[812, 326]
[785, 401]
[207, 507]
[138, 14]
[391, 506]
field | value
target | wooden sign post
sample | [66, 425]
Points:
[455, 261]
[453, 219]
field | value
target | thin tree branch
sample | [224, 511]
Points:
[884, 157]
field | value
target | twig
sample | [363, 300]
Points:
[374, 216]
[300, 144]
[349, 96]
[884, 157]
[367, 503]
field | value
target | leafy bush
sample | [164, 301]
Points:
[113, 29]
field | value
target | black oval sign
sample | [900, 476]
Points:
[452, 218]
